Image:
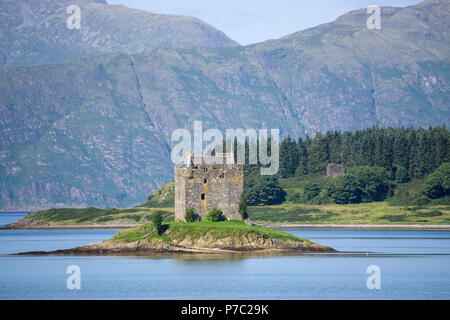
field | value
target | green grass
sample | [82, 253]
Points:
[137, 233]
[98, 216]
[409, 193]
[78, 215]
[295, 185]
[164, 197]
[362, 213]
[217, 230]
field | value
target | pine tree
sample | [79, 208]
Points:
[424, 151]
[319, 154]
[288, 157]
[346, 152]
[442, 146]
[401, 150]
[413, 157]
[302, 168]
[366, 151]
[418, 151]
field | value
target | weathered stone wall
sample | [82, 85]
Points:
[334, 170]
[205, 188]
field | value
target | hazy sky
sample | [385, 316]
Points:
[251, 21]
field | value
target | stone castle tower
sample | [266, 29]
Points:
[207, 182]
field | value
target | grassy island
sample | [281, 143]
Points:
[198, 237]
[177, 231]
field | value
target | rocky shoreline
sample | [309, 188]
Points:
[13, 226]
[25, 224]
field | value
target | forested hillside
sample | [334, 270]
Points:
[380, 163]
[419, 151]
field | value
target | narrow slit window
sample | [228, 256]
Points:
[203, 196]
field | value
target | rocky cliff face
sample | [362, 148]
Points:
[96, 131]
[35, 31]
[341, 75]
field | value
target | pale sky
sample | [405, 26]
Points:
[251, 21]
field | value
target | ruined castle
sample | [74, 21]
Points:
[208, 182]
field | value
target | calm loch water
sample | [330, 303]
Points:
[413, 265]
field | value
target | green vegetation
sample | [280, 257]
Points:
[243, 209]
[214, 215]
[410, 193]
[157, 219]
[361, 184]
[216, 230]
[191, 216]
[90, 216]
[294, 188]
[164, 197]
[417, 151]
[401, 175]
[437, 184]
[311, 191]
[377, 161]
[361, 213]
[262, 190]
[344, 189]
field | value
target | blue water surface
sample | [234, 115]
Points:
[413, 264]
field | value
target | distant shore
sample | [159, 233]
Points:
[357, 226]
[362, 216]
[268, 225]
[13, 226]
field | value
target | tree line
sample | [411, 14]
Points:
[416, 152]
[375, 160]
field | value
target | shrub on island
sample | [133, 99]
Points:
[157, 220]
[243, 206]
[214, 215]
[191, 216]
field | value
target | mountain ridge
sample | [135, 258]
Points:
[96, 130]
[36, 31]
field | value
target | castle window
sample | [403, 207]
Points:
[221, 176]
[205, 181]
[203, 196]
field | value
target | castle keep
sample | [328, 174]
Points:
[209, 182]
